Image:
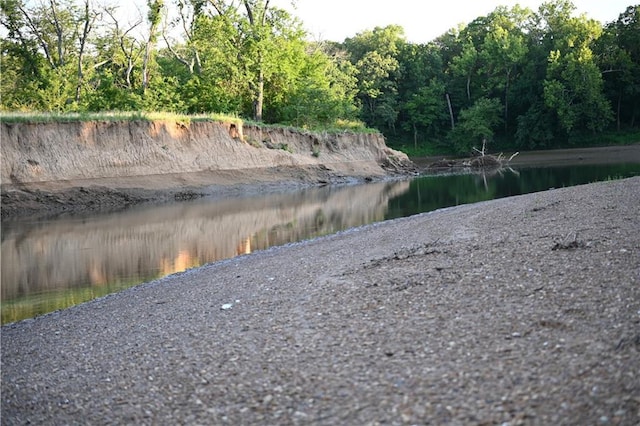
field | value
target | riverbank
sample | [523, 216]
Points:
[618, 154]
[520, 310]
[47, 199]
[67, 167]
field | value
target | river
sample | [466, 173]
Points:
[56, 263]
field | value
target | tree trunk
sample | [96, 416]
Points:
[41, 40]
[155, 7]
[618, 110]
[260, 97]
[145, 67]
[453, 125]
[59, 33]
[127, 52]
[88, 23]
[258, 25]
[506, 103]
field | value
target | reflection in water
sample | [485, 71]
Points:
[49, 265]
[65, 261]
[428, 193]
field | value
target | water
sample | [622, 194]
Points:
[52, 264]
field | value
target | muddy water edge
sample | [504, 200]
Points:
[53, 263]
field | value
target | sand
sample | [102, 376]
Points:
[523, 310]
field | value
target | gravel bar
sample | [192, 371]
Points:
[522, 310]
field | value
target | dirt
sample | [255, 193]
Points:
[522, 310]
[50, 198]
[51, 168]
[45, 199]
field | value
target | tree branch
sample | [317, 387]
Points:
[176, 55]
[59, 33]
[41, 40]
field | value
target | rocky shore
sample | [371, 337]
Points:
[523, 310]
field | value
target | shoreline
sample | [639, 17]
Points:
[52, 168]
[521, 309]
[52, 198]
[49, 199]
[552, 157]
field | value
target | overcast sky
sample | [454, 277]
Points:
[422, 21]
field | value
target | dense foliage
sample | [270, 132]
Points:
[516, 78]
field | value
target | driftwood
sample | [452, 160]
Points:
[481, 162]
[484, 165]
[484, 162]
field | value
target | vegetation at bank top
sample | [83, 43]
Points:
[61, 117]
[339, 126]
[517, 78]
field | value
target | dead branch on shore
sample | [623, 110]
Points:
[483, 162]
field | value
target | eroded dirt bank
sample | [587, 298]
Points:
[100, 165]
[522, 310]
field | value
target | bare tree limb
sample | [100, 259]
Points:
[59, 31]
[128, 52]
[179, 58]
[88, 25]
[41, 41]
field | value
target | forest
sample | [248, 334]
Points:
[517, 78]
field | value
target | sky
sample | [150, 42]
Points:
[423, 21]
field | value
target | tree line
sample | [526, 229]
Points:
[517, 78]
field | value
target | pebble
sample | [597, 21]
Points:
[447, 336]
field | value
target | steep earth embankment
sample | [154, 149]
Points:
[65, 166]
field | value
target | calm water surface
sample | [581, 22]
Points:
[53, 264]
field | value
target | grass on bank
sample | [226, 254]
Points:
[427, 148]
[339, 126]
[70, 117]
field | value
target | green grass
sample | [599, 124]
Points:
[340, 126]
[54, 117]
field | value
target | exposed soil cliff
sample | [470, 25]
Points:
[61, 166]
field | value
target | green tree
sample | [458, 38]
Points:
[466, 65]
[117, 74]
[22, 64]
[322, 92]
[375, 56]
[425, 110]
[46, 37]
[218, 83]
[618, 52]
[154, 17]
[536, 123]
[240, 50]
[573, 87]
[503, 51]
[477, 124]
[559, 91]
